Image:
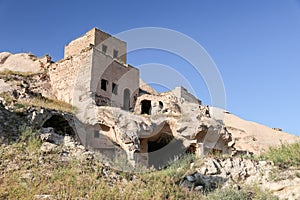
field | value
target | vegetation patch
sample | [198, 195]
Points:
[286, 155]
[248, 193]
[28, 174]
[37, 101]
[6, 73]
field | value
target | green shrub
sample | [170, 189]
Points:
[30, 139]
[285, 155]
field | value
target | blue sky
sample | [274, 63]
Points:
[255, 44]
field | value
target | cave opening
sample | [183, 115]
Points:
[146, 107]
[163, 148]
[60, 125]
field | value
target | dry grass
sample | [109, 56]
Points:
[28, 174]
[248, 192]
[48, 103]
[38, 101]
[7, 72]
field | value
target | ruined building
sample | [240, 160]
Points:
[116, 114]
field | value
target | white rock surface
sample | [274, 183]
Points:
[23, 62]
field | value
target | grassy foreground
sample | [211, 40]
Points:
[27, 173]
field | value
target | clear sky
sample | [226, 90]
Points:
[255, 44]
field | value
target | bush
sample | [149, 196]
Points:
[29, 137]
[286, 155]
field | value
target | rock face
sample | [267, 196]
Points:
[236, 172]
[254, 137]
[146, 88]
[160, 128]
[71, 148]
[23, 62]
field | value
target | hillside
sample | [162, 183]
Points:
[254, 137]
[45, 165]
[42, 158]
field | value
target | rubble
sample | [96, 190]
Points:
[236, 172]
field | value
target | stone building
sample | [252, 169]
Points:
[96, 63]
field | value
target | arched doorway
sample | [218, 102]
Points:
[126, 99]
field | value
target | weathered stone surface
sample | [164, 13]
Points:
[147, 88]
[254, 137]
[48, 147]
[200, 182]
[48, 134]
[23, 62]
[231, 172]
[4, 87]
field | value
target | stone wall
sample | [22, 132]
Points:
[65, 74]
[112, 43]
[77, 45]
[125, 76]
[97, 38]
[181, 92]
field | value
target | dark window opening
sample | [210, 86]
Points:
[191, 149]
[161, 105]
[115, 54]
[104, 48]
[146, 107]
[60, 125]
[126, 99]
[104, 84]
[96, 134]
[114, 88]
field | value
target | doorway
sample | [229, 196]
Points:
[146, 107]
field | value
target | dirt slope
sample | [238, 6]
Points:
[255, 137]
